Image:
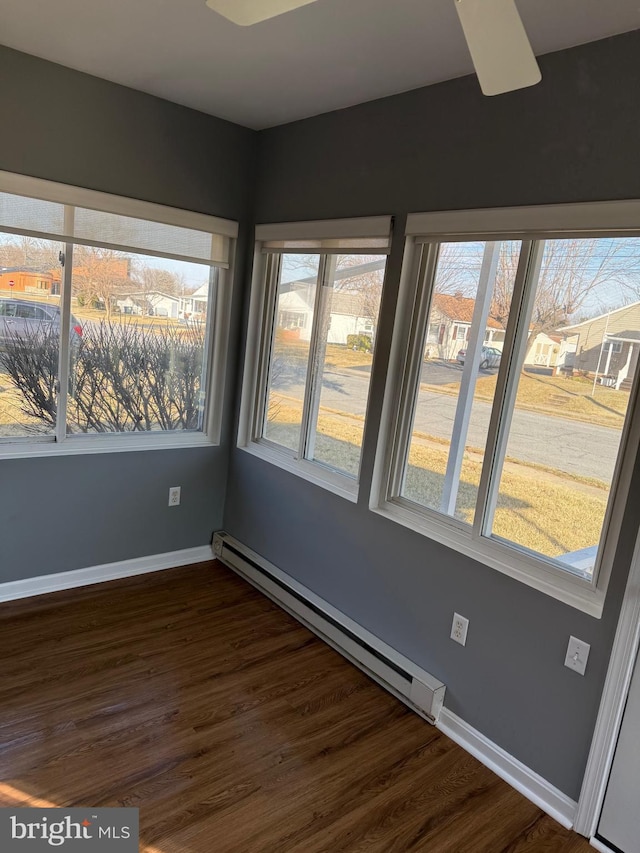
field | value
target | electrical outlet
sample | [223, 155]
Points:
[459, 629]
[174, 496]
[577, 655]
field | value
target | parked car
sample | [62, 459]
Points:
[490, 357]
[24, 317]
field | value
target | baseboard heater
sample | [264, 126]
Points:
[419, 690]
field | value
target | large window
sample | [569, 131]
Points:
[113, 317]
[507, 443]
[315, 305]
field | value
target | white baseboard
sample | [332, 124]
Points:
[602, 848]
[518, 775]
[13, 590]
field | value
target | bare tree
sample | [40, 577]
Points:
[29, 253]
[362, 277]
[578, 277]
[100, 275]
[151, 279]
[458, 270]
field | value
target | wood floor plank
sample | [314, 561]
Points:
[192, 697]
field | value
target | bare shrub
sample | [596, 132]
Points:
[31, 361]
[124, 378]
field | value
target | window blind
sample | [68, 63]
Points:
[370, 235]
[53, 211]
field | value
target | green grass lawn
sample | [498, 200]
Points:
[572, 398]
[336, 354]
[548, 512]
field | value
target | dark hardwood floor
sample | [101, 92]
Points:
[233, 729]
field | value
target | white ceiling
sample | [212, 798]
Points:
[324, 56]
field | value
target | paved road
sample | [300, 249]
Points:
[565, 445]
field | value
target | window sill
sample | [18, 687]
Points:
[89, 444]
[339, 484]
[537, 574]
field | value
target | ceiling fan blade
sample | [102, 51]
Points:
[498, 44]
[248, 12]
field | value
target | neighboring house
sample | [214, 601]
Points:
[450, 324]
[154, 303]
[21, 280]
[194, 306]
[295, 310]
[606, 346]
[129, 305]
[547, 351]
[351, 314]
[163, 304]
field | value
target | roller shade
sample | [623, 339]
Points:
[544, 221]
[370, 235]
[142, 235]
[112, 222]
[31, 214]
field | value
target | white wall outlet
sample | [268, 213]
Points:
[174, 496]
[459, 629]
[577, 655]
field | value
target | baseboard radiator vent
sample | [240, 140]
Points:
[418, 689]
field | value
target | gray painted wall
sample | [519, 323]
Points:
[575, 137]
[70, 512]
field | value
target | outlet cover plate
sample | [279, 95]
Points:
[459, 628]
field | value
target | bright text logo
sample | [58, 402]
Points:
[29, 830]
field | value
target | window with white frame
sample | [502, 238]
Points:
[509, 457]
[113, 316]
[307, 379]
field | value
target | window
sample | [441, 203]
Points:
[501, 453]
[315, 302]
[123, 338]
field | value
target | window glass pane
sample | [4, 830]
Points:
[29, 335]
[471, 300]
[138, 354]
[572, 400]
[346, 337]
[291, 339]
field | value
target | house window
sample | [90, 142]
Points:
[110, 357]
[292, 320]
[503, 460]
[306, 388]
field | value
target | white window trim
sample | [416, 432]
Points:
[600, 219]
[86, 445]
[217, 340]
[257, 346]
